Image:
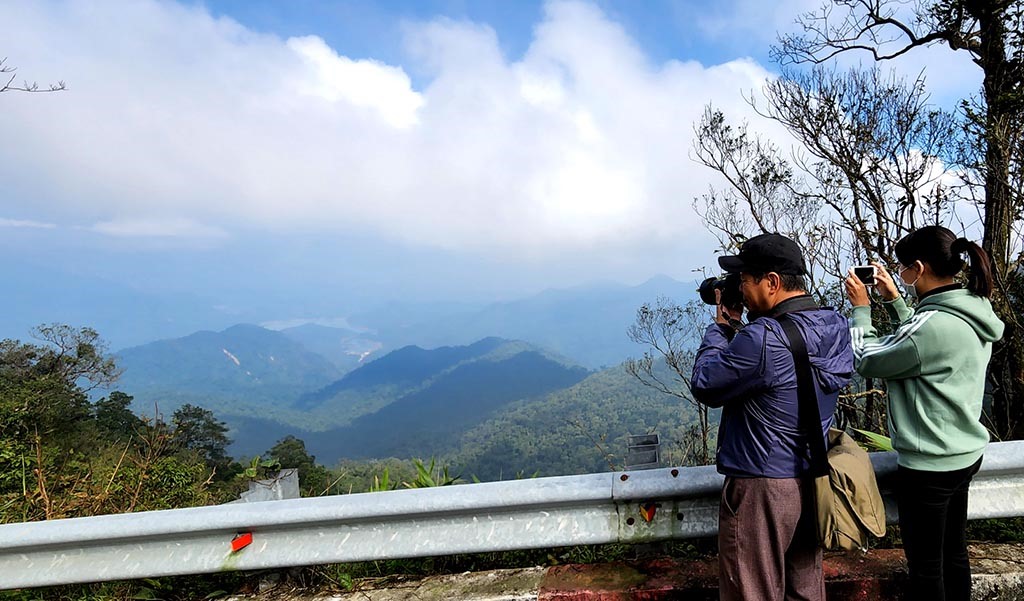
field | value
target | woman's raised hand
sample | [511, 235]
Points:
[856, 291]
[884, 283]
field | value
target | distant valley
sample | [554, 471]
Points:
[491, 405]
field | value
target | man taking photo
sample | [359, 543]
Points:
[766, 535]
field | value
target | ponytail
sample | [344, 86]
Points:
[979, 272]
[943, 252]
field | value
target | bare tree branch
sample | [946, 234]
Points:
[10, 86]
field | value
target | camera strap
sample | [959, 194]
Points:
[807, 397]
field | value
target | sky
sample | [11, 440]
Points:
[309, 159]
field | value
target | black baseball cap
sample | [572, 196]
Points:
[764, 254]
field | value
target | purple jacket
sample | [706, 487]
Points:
[753, 378]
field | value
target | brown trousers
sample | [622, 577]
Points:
[766, 543]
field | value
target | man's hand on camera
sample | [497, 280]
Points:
[721, 313]
[724, 316]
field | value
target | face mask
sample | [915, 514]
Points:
[912, 288]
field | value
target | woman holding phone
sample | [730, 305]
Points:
[934, 366]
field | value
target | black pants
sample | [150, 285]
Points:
[933, 517]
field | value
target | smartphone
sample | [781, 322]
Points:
[865, 273]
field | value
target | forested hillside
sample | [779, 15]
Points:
[491, 410]
[581, 429]
[426, 422]
[413, 402]
[64, 456]
[402, 369]
[244, 363]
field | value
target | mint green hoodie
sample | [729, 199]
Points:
[934, 366]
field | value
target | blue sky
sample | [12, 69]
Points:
[299, 159]
[667, 29]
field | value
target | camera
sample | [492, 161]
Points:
[729, 284]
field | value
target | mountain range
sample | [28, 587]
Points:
[491, 405]
[493, 420]
[244, 363]
[585, 323]
[265, 385]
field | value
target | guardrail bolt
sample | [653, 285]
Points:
[679, 516]
[675, 473]
[624, 477]
[630, 521]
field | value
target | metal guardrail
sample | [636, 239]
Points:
[492, 516]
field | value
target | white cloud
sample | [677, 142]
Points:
[157, 228]
[25, 223]
[367, 84]
[579, 146]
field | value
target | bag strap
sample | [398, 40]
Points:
[807, 397]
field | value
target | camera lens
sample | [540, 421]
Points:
[707, 291]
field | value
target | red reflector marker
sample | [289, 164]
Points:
[241, 541]
[647, 511]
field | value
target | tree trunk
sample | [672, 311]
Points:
[998, 89]
[1007, 368]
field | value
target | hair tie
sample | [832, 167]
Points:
[963, 244]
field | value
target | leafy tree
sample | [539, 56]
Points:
[291, 452]
[76, 355]
[42, 387]
[114, 418]
[197, 429]
[60, 456]
[44, 411]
